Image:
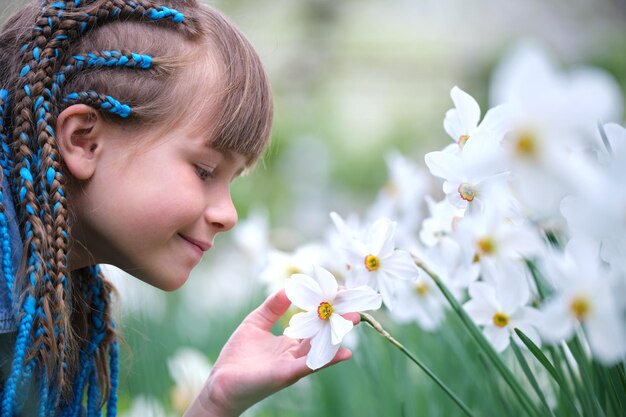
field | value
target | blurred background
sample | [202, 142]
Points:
[352, 80]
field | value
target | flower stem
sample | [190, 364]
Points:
[376, 326]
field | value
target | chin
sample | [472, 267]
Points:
[171, 282]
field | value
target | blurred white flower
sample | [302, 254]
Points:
[346, 230]
[374, 261]
[145, 406]
[461, 122]
[439, 226]
[500, 306]
[530, 82]
[586, 294]
[323, 303]
[597, 211]
[419, 301]
[553, 122]
[251, 236]
[189, 368]
[402, 196]
[282, 265]
[136, 297]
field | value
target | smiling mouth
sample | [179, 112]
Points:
[202, 246]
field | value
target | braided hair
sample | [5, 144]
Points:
[101, 53]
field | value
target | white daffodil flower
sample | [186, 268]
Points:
[461, 122]
[588, 295]
[471, 176]
[490, 237]
[323, 303]
[374, 261]
[500, 306]
[189, 368]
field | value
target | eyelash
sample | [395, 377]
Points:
[203, 173]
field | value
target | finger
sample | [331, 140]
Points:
[355, 318]
[270, 311]
[300, 369]
[342, 355]
[303, 348]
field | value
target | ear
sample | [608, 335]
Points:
[79, 137]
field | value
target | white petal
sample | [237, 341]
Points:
[339, 327]
[303, 325]
[511, 285]
[444, 165]
[498, 336]
[557, 324]
[607, 337]
[322, 351]
[399, 265]
[380, 237]
[484, 293]
[452, 125]
[327, 282]
[387, 290]
[469, 112]
[479, 312]
[356, 299]
[496, 120]
[303, 291]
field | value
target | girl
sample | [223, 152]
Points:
[122, 124]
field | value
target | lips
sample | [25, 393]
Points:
[203, 246]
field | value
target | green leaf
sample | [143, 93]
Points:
[531, 378]
[524, 399]
[534, 349]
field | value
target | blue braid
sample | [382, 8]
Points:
[5, 159]
[93, 394]
[165, 12]
[7, 166]
[43, 405]
[114, 378]
[21, 346]
[7, 264]
[98, 333]
[108, 59]
[106, 103]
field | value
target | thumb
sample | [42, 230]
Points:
[270, 311]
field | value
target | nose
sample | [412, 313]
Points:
[221, 213]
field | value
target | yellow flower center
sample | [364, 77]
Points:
[467, 191]
[421, 288]
[500, 319]
[324, 310]
[580, 307]
[463, 140]
[372, 263]
[526, 144]
[293, 270]
[391, 189]
[485, 246]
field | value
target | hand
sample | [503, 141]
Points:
[255, 364]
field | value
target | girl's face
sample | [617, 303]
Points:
[153, 207]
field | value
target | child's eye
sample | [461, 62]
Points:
[203, 173]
